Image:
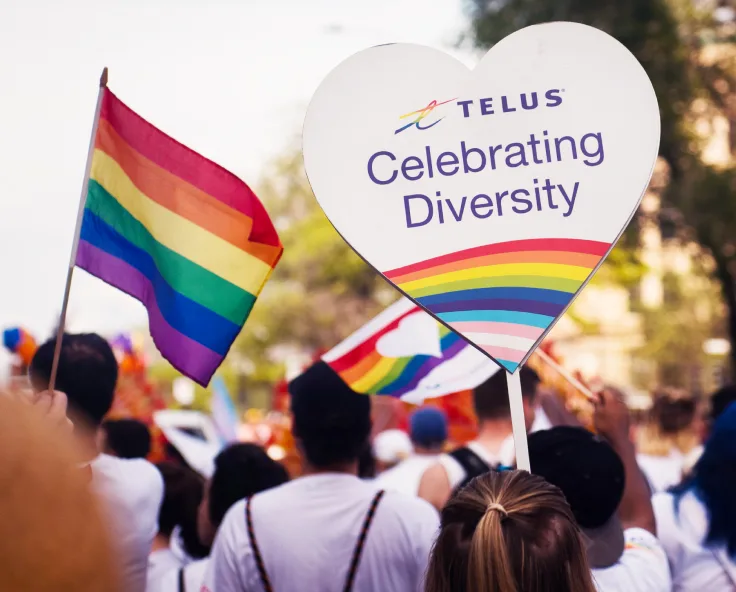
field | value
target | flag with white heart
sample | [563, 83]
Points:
[488, 197]
[404, 353]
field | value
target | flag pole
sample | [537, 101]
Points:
[77, 232]
[566, 375]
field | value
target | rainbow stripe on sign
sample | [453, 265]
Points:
[365, 370]
[502, 297]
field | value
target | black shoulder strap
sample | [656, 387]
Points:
[472, 464]
[256, 549]
[358, 551]
[182, 585]
[354, 562]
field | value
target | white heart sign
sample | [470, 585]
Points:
[489, 197]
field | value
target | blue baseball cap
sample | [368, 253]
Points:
[428, 427]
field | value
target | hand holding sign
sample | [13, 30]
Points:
[488, 197]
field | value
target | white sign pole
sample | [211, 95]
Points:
[518, 421]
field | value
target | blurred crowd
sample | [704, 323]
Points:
[616, 506]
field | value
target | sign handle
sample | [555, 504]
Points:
[518, 422]
[77, 231]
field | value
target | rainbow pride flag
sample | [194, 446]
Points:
[503, 297]
[176, 231]
[405, 353]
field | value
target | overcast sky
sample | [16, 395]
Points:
[229, 79]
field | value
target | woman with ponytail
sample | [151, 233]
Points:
[508, 532]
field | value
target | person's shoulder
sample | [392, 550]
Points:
[139, 468]
[409, 508]
[638, 539]
[642, 567]
[134, 474]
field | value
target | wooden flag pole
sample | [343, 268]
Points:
[518, 421]
[566, 375]
[77, 231]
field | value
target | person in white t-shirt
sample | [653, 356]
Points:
[608, 495]
[177, 542]
[696, 521]
[494, 445]
[240, 470]
[130, 490]
[327, 530]
[428, 433]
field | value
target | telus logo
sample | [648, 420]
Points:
[511, 103]
[420, 114]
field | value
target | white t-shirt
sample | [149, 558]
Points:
[405, 477]
[662, 472]
[642, 568]
[160, 563]
[307, 530]
[694, 567]
[130, 492]
[164, 561]
[193, 577]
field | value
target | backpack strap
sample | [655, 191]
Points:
[256, 550]
[472, 464]
[182, 585]
[358, 551]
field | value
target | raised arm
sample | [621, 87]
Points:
[611, 419]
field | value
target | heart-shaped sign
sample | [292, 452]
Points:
[491, 196]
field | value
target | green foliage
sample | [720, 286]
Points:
[676, 331]
[320, 290]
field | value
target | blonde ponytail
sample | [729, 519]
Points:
[489, 567]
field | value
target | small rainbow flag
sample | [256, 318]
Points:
[403, 352]
[502, 297]
[176, 231]
[224, 414]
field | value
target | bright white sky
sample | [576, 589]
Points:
[231, 79]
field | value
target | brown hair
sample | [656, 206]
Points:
[491, 399]
[670, 424]
[52, 534]
[508, 532]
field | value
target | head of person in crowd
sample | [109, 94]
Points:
[331, 422]
[52, 536]
[671, 426]
[491, 399]
[367, 468]
[241, 470]
[125, 438]
[713, 481]
[390, 447]
[87, 374]
[508, 530]
[183, 493]
[591, 476]
[428, 430]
